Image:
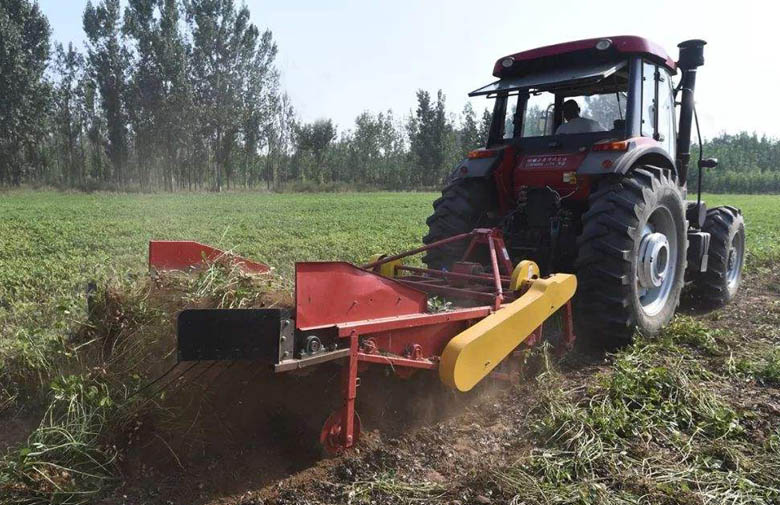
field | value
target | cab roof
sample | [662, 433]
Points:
[581, 51]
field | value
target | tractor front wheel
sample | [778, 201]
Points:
[631, 258]
[718, 285]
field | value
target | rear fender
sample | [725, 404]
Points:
[640, 150]
[471, 168]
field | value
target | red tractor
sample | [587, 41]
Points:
[585, 171]
[600, 196]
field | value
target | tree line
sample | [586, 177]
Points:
[185, 95]
[747, 163]
[165, 94]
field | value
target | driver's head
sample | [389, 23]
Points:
[570, 110]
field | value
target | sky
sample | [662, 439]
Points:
[339, 58]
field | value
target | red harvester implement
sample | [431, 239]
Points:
[379, 314]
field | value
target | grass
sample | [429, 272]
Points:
[66, 459]
[93, 401]
[53, 244]
[762, 213]
[652, 429]
[765, 368]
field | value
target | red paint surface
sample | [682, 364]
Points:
[327, 293]
[623, 43]
[431, 338]
[540, 170]
[503, 177]
[185, 254]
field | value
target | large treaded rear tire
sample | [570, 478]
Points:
[608, 303]
[464, 205]
[716, 287]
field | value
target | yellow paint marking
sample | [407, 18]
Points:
[476, 351]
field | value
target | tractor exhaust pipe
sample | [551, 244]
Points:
[691, 58]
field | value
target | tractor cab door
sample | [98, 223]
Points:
[658, 113]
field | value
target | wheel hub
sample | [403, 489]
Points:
[732, 258]
[654, 262]
[735, 259]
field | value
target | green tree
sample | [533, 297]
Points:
[605, 108]
[69, 114]
[470, 136]
[279, 134]
[107, 62]
[159, 99]
[431, 139]
[260, 100]
[313, 141]
[24, 91]
[534, 121]
[365, 151]
[392, 144]
[484, 127]
[226, 48]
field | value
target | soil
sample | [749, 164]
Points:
[236, 435]
[16, 428]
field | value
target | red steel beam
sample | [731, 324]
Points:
[397, 361]
[410, 321]
[499, 294]
[451, 291]
[454, 275]
[438, 243]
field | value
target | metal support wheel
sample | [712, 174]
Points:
[331, 436]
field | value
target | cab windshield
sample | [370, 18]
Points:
[561, 102]
[607, 111]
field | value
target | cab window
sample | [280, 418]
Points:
[538, 120]
[509, 117]
[648, 100]
[667, 134]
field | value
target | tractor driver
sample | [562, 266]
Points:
[574, 123]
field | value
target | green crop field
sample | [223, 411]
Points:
[52, 244]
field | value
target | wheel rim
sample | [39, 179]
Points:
[735, 259]
[656, 265]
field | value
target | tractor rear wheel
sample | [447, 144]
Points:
[718, 285]
[464, 205]
[631, 257]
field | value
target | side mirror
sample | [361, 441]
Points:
[708, 163]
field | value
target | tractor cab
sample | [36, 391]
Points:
[620, 98]
[622, 84]
[585, 171]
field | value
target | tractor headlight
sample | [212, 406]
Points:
[603, 44]
[507, 62]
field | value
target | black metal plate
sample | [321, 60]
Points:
[229, 334]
